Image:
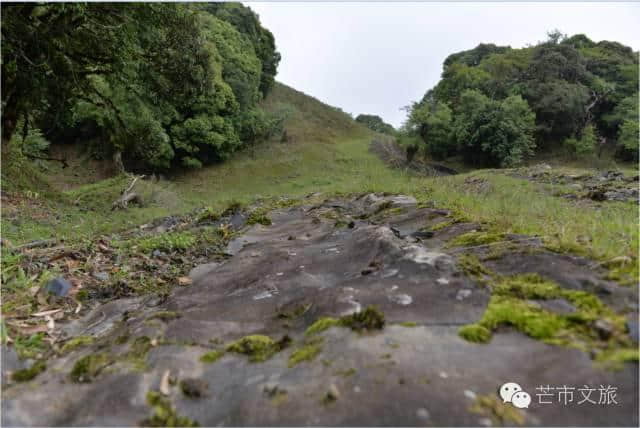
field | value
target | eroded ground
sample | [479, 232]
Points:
[370, 310]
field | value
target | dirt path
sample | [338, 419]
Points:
[306, 282]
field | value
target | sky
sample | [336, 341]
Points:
[377, 57]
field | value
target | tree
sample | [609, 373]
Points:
[49, 52]
[375, 123]
[494, 133]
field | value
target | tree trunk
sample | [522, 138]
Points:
[117, 162]
[9, 120]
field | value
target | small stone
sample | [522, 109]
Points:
[442, 281]
[443, 375]
[194, 388]
[485, 422]
[58, 286]
[401, 299]
[102, 276]
[333, 393]
[157, 253]
[463, 294]
[271, 389]
[422, 413]
[470, 394]
[604, 329]
[356, 389]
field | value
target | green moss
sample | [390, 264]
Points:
[473, 268]
[409, 324]
[306, 353]
[615, 358]
[207, 214]
[82, 295]
[346, 372]
[76, 342]
[164, 316]
[527, 286]
[369, 319]
[88, 367]
[512, 303]
[475, 333]
[30, 373]
[176, 241]
[164, 415]
[258, 347]
[138, 351]
[296, 312]
[473, 239]
[500, 413]
[259, 216]
[321, 325]
[211, 356]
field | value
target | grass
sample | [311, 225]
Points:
[329, 153]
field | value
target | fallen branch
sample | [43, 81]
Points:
[128, 196]
[36, 244]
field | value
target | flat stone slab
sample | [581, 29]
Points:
[307, 265]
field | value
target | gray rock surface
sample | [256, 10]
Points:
[402, 375]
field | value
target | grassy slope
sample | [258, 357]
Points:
[328, 152]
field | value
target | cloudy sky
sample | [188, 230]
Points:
[378, 57]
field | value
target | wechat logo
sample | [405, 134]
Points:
[512, 393]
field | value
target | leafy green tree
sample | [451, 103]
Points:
[50, 50]
[435, 128]
[584, 144]
[494, 133]
[247, 23]
[375, 123]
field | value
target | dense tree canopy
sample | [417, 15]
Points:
[375, 123]
[495, 104]
[161, 85]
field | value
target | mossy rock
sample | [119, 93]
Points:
[164, 415]
[306, 353]
[76, 342]
[258, 347]
[88, 367]
[30, 373]
[212, 356]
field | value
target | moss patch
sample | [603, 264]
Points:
[138, 351]
[168, 242]
[164, 415]
[321, 325]
[472, 239]
[369, 319]
[25, 375]
[76, 342]
[306, 353]
[473, 268]
[88, 367]
[211, 356]
[475, 333]
[258, 347]
[409, 324]
[259, 216]
[500, 413]
[513, 304]
[163, 316]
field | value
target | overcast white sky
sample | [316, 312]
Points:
[378, 57]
